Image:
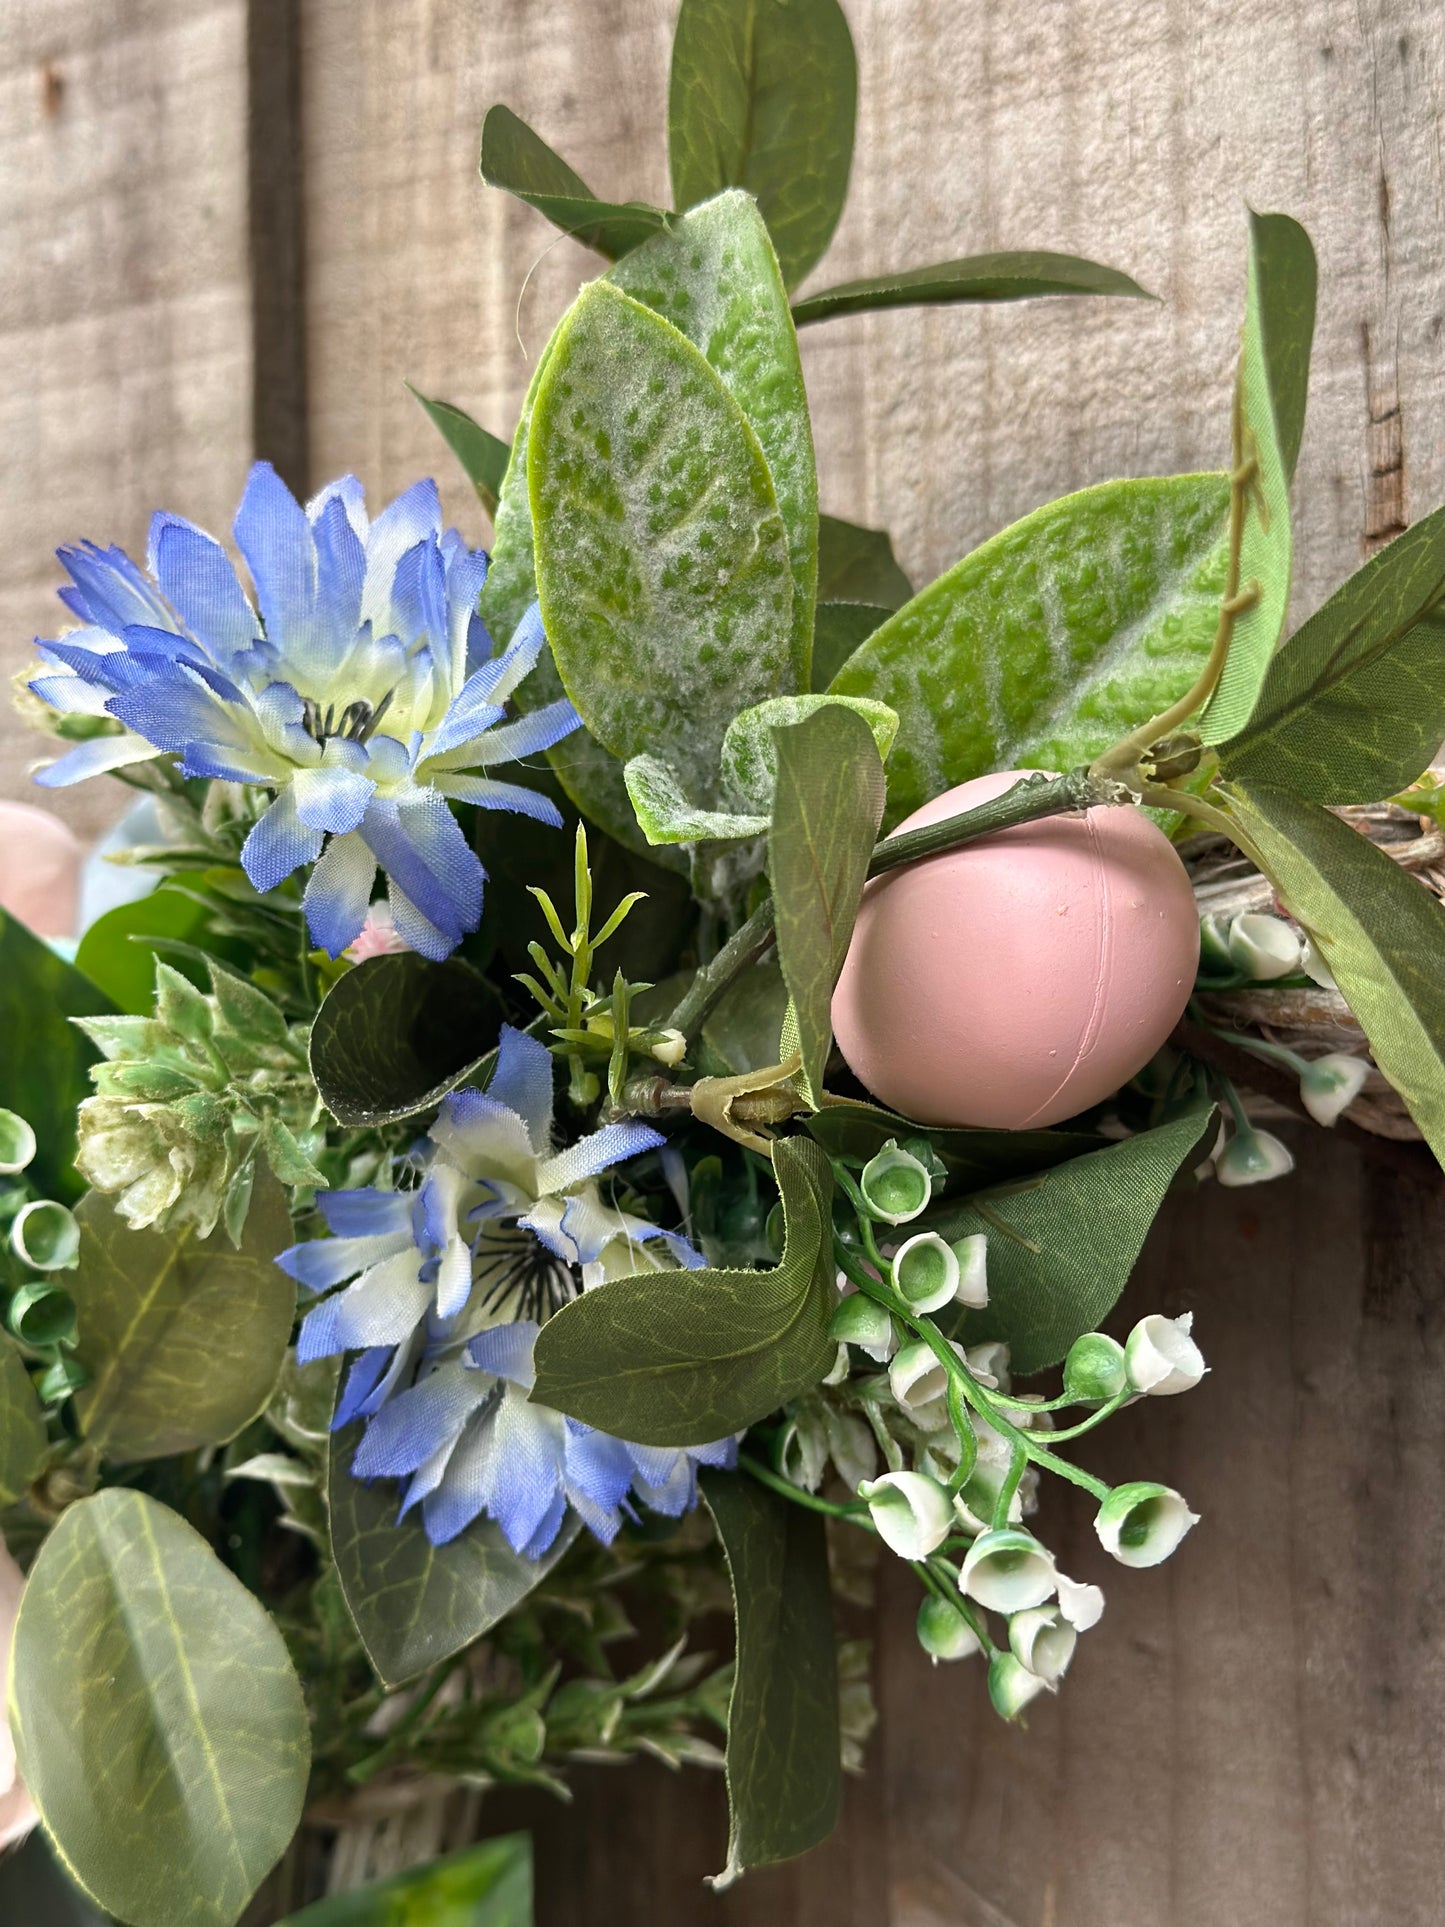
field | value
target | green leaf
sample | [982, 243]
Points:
[45, 1060]
[22, 1426]
[395, 1034]
[1088, 1218]
[1380, 931]
[716, 279]
[665, 815]
[519, 160]
[750, 748]
[858, 565]
[1053, 639]
[158, 1724]
[783, 1743]
[184, 1337]
[974, 1158]
[746, 1028]
[415, 1604]
[1353, 707]
[485, 1886]
[839, 630]
[685, 1357]
[1015, 276]
[763, 95]
[118, 951]
[662, 564]
[1274, 368]
[826, 812]
[483, 455]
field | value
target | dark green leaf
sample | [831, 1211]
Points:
[482, 454]
[415, 1604]
[1053, 639]
[858, 565]
[118, 951]
[519, 160]
[1381, 933]
[1017, 276]
[395, 1034]
[485, 1886]
[685, 1357]
[1353, 707]
[839, 629]
[662, 562]
[746, 1028]
[44, 1060]
[157, 1720]
[763, 95]
[783, 1743]
[22, 1425]
[826, 811]
[1274, 369]
[1088, 1218]
[715, 278]
[973, 1158]
[184, 1337]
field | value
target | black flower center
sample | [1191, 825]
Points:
[516, 1267]
[356, 723]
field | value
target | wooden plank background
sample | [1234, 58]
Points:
[234, 228]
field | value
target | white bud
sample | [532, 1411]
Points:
[989, 1364]
[852, 1445]
[1214, 957]
[896, 1186]
[1329, 1084]
[1263, 947]
[860, 1320]
[668, 1046]
[1141, 1524]
[1314, 966]
[17, 1143]
[1081, 1605]
[1161, 1358]
[912, 1513]
[926, 1271]
[972, 1255]
[1011, 1686]
[45, 1236]
[1252, 1157]
[1043, 1640]
[837, 1373]
[803, 1453]
[943, 1632]
[1008, 1571]
[916, 1376]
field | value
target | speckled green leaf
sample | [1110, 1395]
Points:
[665, 813]
[44, 1059]
[1088, 1219]
[415, 1604]
[826, 811]
[158, 1723]
[1016, 276]
[715, 277]
[22, 1425]
[858, 565]
[1273, 379]
[1380, 931]
[783, 1744]
[685, 1357]
[184, 1337]
[485, 1886]
[1353, 707]
[662, 563]
[395, 1034]
[516, 158]
[483, 455]
[1053, 639]
[763, 95]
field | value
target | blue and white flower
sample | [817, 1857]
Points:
[360, 689]
[445, 1288]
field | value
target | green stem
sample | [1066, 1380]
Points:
[1002, 1504]
[856, 1514]
[1028, 800]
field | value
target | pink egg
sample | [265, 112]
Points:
[1017, 980]
[40, 860]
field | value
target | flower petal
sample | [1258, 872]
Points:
[333, 798]
[200, 584]
[273, 534]
[506, 1351]
[278, 844]
[489, 795]
[522, 1082]
[338, 894]
[590, 1155]
[90, 759]
[383, 1307]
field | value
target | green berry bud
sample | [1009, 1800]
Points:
[896, 1186]
[1094, 1368]
[943, 1632]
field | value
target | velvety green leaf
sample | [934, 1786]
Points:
[685, 1357]
[1274, 367]
[1381, 933]
[665, 814]
[763, 95]
[158, 1724]
[45, 1060]
[973, 1158]
[1015, 276]
[715, 277]
[840, 628]
[783, 1743]
[826, 812]
[22, 1425]
[415, 1604]
[858, 565]
[519, 160]
[662, 562]
[1353, 707]
[483, 455]
[118, 951]
[1053, 639]
[395, 1034]
[1088, 1218]
[184, 1337]
[750, 748]
[485, 1886]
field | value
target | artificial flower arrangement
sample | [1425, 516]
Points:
[624, 1294]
